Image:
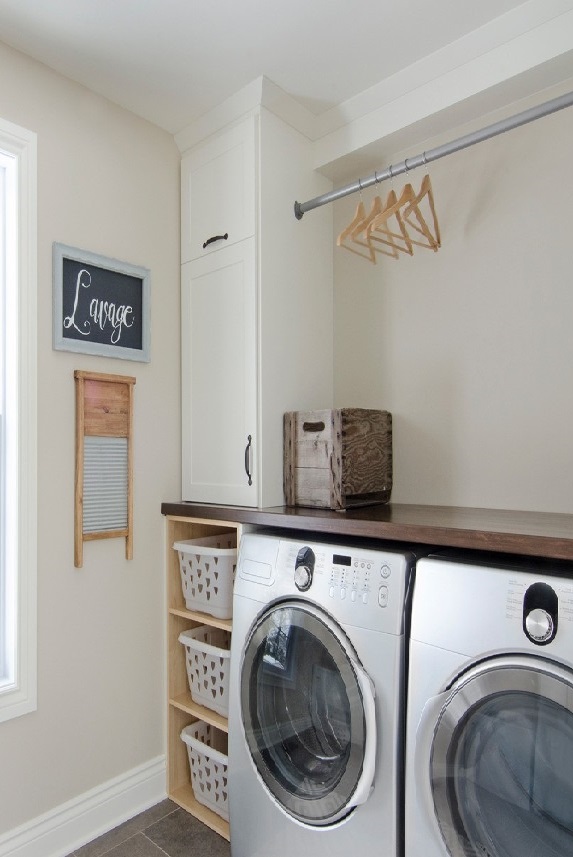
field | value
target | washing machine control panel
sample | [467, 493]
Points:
[354, 577]
[358, 586]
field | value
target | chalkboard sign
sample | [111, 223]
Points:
[101, 306]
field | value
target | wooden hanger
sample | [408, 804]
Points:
[412, 210]
[407, 201]
[373, 231]
[398, 240]
[363, 227]
[359, 216]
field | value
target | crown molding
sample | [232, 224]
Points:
[518, 54]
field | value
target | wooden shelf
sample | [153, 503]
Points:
[184, 797]
[182, 710]
[202, 618]
[541, 534]
[185, 702]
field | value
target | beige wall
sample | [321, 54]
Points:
[108, 182]
[471, 348]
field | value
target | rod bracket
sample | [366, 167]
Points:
[298, 212]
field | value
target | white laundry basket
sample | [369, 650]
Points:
[207, 658]
[209, 762]
[207, 569]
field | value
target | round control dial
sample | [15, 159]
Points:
[539, 625]
[302, 577]
[304, 568]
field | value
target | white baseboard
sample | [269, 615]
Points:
[69, 826]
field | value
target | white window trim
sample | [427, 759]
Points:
[20, 697]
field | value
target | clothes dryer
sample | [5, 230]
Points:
[489, 745]
[316, 699]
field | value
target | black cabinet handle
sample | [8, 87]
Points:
[215, 238]
[247, 463]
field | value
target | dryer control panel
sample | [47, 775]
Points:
[487, 608]
[360, 586]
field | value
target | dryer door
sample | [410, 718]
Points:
[308, 713]
[501, 761]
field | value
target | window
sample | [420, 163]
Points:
[18, 455]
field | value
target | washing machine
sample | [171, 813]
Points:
[489, 746]
[316, 716]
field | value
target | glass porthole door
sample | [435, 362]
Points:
[308, 714]
[501, 761]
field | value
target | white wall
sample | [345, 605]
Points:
[108, 182]
[471, 348]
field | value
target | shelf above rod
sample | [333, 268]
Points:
[464, 142]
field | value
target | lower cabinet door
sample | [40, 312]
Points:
[219, 377]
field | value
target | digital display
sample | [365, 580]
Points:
[338, 559]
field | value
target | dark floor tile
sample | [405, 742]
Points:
[181, 835]
[124, 831]
[137, 846]
[155, 813]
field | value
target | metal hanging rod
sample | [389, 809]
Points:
[501, 127]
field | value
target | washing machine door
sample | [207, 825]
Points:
[308, 713]
[501, 760]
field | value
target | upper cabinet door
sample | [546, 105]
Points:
[218, 180]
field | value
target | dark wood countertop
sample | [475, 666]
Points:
[542, 534]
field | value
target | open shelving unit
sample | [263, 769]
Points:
[182, 709]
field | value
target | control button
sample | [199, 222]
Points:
[343, 592]
[383, 596]
[353, 595]
[369, 566]
[385, 571]
[331, 591]
[365, 598]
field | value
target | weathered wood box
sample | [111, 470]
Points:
[337, 459]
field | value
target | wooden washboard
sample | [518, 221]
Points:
[104, 460]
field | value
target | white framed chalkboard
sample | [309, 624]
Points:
[101, 305]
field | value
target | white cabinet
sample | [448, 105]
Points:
[256, 307]
[219, 360]
[218, 192]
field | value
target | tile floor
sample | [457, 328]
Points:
[165, 829]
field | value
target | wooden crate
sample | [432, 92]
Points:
[336, 459]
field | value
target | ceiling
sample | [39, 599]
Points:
[170, 61]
